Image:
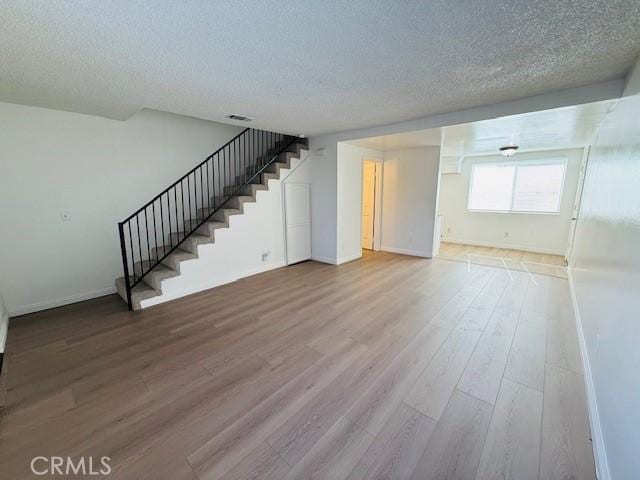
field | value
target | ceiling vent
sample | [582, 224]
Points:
[240, 118]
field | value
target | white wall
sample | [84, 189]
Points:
[349, 199]
[238, 250]
[409, 196]
[98, 170]
[324, 208]
[531, 232]
[605, 273]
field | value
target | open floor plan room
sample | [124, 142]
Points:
[387, 367]
[323, 240]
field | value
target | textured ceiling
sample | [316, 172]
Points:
[307, 66]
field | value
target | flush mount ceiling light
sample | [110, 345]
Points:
[240, 118]
[509, 150]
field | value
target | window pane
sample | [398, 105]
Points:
[491, 187]
[538, 188]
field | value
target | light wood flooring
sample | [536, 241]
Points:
[519, 260]
[386, 367]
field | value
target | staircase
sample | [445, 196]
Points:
[168, 229]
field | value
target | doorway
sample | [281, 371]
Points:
[369, 168]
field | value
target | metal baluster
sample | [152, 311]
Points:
[208, 192]
[175, 204]
[189, 197]
[202, 193]
[131, 246]
[162, 226]
[155, 229]
[139, 246]
[146, 227]
[182, 205]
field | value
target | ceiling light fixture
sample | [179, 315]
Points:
[509, 150]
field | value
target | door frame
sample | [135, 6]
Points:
[575, 211]
[377, 202]
[287, 260]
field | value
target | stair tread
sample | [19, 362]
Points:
[140, 292]
[162, 268]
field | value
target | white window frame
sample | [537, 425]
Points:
[516, 164]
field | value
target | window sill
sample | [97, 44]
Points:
[513, 212]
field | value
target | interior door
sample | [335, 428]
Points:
[297, 222]
[368, 202]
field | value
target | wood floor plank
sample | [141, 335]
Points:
[302, 429]
[475, 318]
[562, 341]
[527, 356]
[335, 454]
[263, 463]
[224, 450]
[483, 373]
[455, 447]
[397, 448]
[537, 296]
[566, 440]
[434, 387]
[373, 408]
[512, 446]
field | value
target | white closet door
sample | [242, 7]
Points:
[297, 222]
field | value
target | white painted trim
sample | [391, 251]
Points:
[330, 261]
[59, 302]
[403, 251]
[4, 327]
[349, 258]
[547, 251]
[208, 285]
[377, 204]
[599, 450]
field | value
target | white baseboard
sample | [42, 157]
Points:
[509, 246]
[175, 294]
[59, 302]
[404, 251]
[349, 258]
[331, 261]
[599, 451]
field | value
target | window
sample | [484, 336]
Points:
[523, 187]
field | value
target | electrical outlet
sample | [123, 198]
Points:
[448, 229]
[506, 234]
[265, 255]
[65, 216]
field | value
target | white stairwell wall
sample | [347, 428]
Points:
[253, 243]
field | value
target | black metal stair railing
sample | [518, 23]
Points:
[150, 234]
